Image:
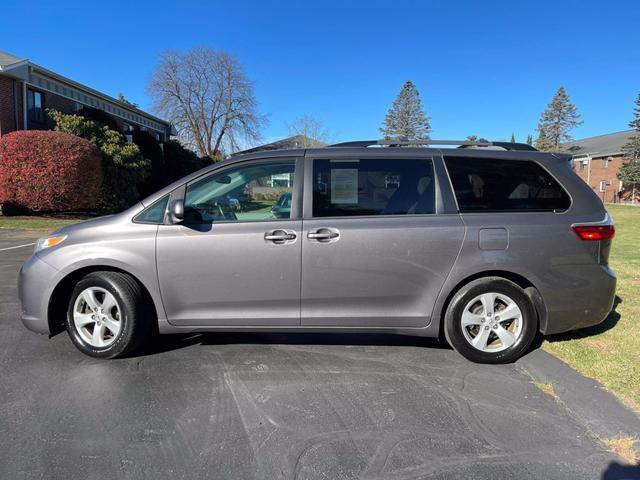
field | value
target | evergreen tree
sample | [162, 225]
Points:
[513, 137]
[122, 99]
[630, 170]
[406, 117]
[542, 142]
[557, 121]
[529, 140]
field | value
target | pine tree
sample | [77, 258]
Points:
[529, 140]
[406, 117]
[557, 121]
[513, 137]
[542, 142]
[630, 170]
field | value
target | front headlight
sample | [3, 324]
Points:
[48, 242]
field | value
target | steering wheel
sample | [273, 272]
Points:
[225, 211]
[217, 210]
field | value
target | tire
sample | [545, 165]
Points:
[122, 325]
[478, 306]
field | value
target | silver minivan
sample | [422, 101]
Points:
[486, 245]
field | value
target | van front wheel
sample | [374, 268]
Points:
[107, 316]
[491, 320]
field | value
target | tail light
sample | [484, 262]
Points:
[594, 232]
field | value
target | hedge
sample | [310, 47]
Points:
[150, 149]
[123, 167]
[99, 116]
[44, 171]
[180, 161]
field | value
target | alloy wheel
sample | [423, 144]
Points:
[492, 322]
[97, 317]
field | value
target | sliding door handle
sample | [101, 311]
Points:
[324, 234]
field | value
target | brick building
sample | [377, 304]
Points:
[27, 89]
[597, 160]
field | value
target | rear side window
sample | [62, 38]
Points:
[372, 187]
[492, 185]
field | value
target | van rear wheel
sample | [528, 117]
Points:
[107, 315]
[491, 320]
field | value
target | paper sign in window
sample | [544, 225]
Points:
[344, 185]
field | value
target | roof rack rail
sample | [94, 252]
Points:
[430, 141]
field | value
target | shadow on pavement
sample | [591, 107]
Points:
[166, 343]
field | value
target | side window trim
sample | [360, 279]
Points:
[296, 207]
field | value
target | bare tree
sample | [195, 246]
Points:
[206, 95]
[311, 131]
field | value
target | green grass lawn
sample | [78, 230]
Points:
[610, 352]
[36, 223]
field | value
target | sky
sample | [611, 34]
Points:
[482, 68]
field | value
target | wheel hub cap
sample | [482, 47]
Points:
[97, 317]
[492, 322]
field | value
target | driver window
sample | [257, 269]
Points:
[247, 193]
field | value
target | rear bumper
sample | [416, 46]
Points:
[36, 281]
[587, 302]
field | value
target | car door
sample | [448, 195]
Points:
[231, 261]
[377, 243]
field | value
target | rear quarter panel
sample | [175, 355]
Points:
[542, 248]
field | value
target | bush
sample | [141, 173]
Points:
[45, 171]
[122, 163]
[99, 116]
[150, 149]
[124, 168]
[180, 161]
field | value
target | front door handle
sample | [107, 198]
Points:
[280, 236]
[324, 234]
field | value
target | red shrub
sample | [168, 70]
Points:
[47, 171]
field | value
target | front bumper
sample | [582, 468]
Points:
[36, 282]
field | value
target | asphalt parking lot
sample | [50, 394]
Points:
[246, 406]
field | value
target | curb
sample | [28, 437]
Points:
[586, 400]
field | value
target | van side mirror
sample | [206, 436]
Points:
[176, 211]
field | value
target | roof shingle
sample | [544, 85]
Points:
[599, 146]
[7, 59]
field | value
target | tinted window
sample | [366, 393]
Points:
[491, 185]
[35, 106]
[372, 187]
[244, 194]
[154, 213]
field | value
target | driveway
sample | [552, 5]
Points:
[246, 406]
